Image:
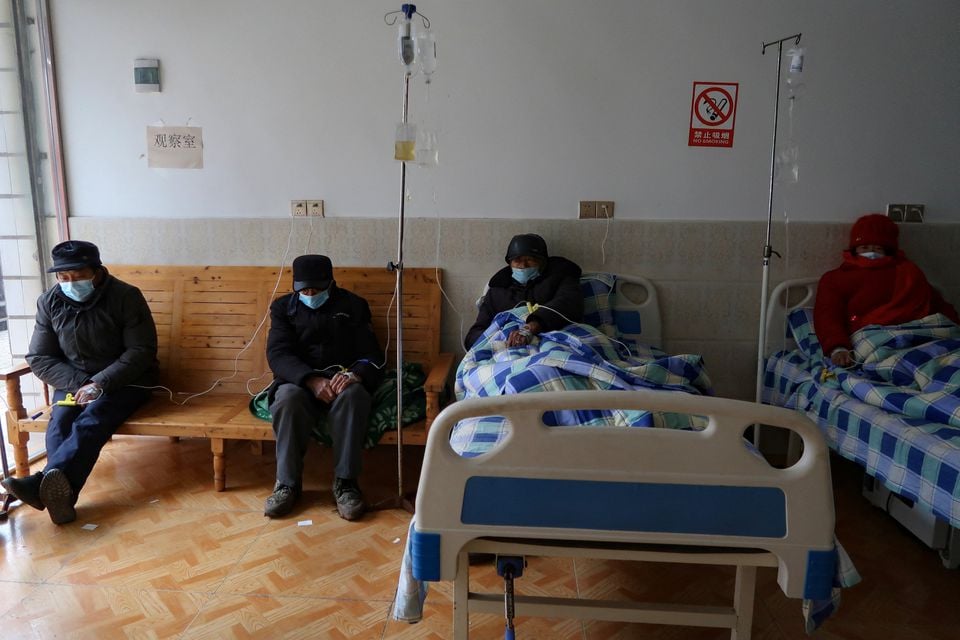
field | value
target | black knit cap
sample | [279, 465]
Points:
[527, 244]
[312, 272]
[74, 254]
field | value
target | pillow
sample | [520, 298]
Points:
[597, 289]
[800, 328]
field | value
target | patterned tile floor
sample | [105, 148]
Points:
[171, 558]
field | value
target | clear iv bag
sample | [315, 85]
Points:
[426, 53]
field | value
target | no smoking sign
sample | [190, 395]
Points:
[712, 114]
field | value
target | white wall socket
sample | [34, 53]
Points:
[315, 208]
[298, 208]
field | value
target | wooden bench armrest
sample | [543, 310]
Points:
[15, 372]
[434, 385]
[439, 373]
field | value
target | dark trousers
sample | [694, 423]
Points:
[76, 435]
[296, 412]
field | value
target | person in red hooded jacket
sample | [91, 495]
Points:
[876, 284]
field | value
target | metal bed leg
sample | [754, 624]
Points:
[461, 598]
[743, 593]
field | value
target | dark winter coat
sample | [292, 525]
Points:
[557, 287]
[305, 342]
[110, 338]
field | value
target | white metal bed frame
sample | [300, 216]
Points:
[929, 529]
[498, 502]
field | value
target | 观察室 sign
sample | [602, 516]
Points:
[174, 147]
[712, 114]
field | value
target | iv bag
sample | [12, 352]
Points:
[426, 53]
[405, 42]
[795, 69]
[426, 151]
[404, 144]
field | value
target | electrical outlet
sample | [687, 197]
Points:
[604, 209]
[315, 208]
[298, 208]
[897, 212]
[588, 209]
[914, 213]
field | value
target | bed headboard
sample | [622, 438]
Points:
[786, 296]
[625, 307]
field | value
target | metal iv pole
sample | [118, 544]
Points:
[767, 248]
[408, 10]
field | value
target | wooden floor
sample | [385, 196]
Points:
[170, 558]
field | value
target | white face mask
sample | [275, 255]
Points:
[871, 255]
[78, 290]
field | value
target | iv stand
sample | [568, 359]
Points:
[400, 501]
[767, 248]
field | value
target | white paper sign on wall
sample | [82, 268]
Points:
[175, 147]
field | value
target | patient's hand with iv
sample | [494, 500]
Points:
[88, 393]
[321, 388]
[841, 357]
[524, 335]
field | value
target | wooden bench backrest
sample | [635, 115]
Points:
[206, 315]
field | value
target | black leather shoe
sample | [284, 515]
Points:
[281, 501]
[57, 494]
[26, 490]
[349, 499]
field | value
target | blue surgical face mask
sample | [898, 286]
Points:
[78, 290]
[525, 275]
[315, 301]
[871, 255]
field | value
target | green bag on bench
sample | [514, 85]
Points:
[383, 416]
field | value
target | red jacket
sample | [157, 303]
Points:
[888, 290]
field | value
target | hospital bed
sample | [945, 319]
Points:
[660, 495]
[911, 465]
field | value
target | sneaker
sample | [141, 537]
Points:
[281, 501]
[349, 499]
[57, 494]
[26, 490]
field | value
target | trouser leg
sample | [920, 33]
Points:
[348, 418]
[76, 435]
[294, 414]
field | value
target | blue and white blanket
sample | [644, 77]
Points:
[578, 358]
[896, 413]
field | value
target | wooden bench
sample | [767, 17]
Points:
[212, 324]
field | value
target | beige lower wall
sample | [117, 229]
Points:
[707, 273]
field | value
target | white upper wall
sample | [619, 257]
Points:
[539, 104]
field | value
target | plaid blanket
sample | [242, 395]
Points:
[896, 414]
[577, 358]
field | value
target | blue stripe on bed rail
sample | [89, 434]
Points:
[625, 506]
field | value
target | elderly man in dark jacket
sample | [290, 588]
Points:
[531, 275]
[94, 340]
[325, 360]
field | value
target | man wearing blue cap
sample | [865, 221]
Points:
[325, 361]
[95, 339]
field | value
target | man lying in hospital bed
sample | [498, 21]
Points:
[578, 358]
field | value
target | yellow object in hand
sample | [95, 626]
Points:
[67, 402]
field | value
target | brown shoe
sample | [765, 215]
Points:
[57, 494]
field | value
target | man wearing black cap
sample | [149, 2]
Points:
[325, 360]
[95, 339]
[533, 276]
